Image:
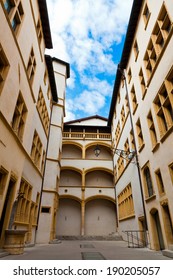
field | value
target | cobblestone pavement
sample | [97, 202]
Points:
[90, 250]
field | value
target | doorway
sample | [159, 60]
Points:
[157, 231]
[168, 227]
[6, 212]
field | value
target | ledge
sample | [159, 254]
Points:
[152, 197]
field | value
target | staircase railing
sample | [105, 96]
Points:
[137, 238]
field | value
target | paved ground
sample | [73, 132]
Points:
[96, 250]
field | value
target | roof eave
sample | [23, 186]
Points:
[45, 23]
[51, 74]
[131, 30]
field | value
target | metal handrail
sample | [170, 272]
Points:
[135, 240]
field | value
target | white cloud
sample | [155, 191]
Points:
[89, 101]
[101, 86]
[84, 33]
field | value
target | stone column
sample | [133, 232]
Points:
[83, 217]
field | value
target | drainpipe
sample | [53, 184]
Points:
[136, 155]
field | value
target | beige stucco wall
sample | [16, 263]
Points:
[14, 153]
[161, 157]
[52, 169]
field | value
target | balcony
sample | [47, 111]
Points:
[86, 135]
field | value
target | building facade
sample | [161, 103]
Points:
[86, 186]
[92, 176]
[144, 83]
[29, 86]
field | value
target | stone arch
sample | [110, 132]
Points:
[71, 149]
[105, 153]
[99, 177]
[100, 216]
[100, 197]
[70, 176]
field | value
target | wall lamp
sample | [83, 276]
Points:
[97, 151]
[129, 155]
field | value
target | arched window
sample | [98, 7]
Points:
[148, 181]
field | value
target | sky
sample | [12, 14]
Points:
[89, 35]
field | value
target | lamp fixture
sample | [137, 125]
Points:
[129, 155]
[97, 150]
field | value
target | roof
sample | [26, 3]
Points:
[49, 63]
[85, 119]
[53, 87]
[131, 29]
[45, 23]
[63, 63]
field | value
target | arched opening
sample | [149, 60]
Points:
[100, 217]
[105, 152]
[68, 217]
[70, 178]
[156, 230]
[168, 228]
[99, 178]
[71, 151]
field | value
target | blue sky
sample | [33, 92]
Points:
[89, 35]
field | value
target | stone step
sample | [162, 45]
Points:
[112, 237]
[168, 253]
[55, 241]
[3, 253]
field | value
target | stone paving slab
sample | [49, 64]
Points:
[72, 250]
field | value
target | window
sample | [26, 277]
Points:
[162, 29]
[127, 105]
[146, 15]
[148, 182]
[15, 11]
[115, 173]
[164, 106]
[142, 82]
[36, 151]
[36, 209]
[139, 135]
[31, 65]
[122, 116]
[129, 75]
[127, 149]
[24, 203]
[136, 50]
[19, 117]
[3, 179]
[125, 203]
[118, 98]
[157, 41]
[134, 100]
[4, 66]
[132, 142]
[120, 166]
[42, 109]
[159, 181]
[45, 209]
[39, 31]
[48, 93]
[152, 130]
[171, 171]
[117, 132]
[43, 161]
[45, 77]
[150, 58]
[9, 5]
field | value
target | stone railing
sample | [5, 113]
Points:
[86, 135]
